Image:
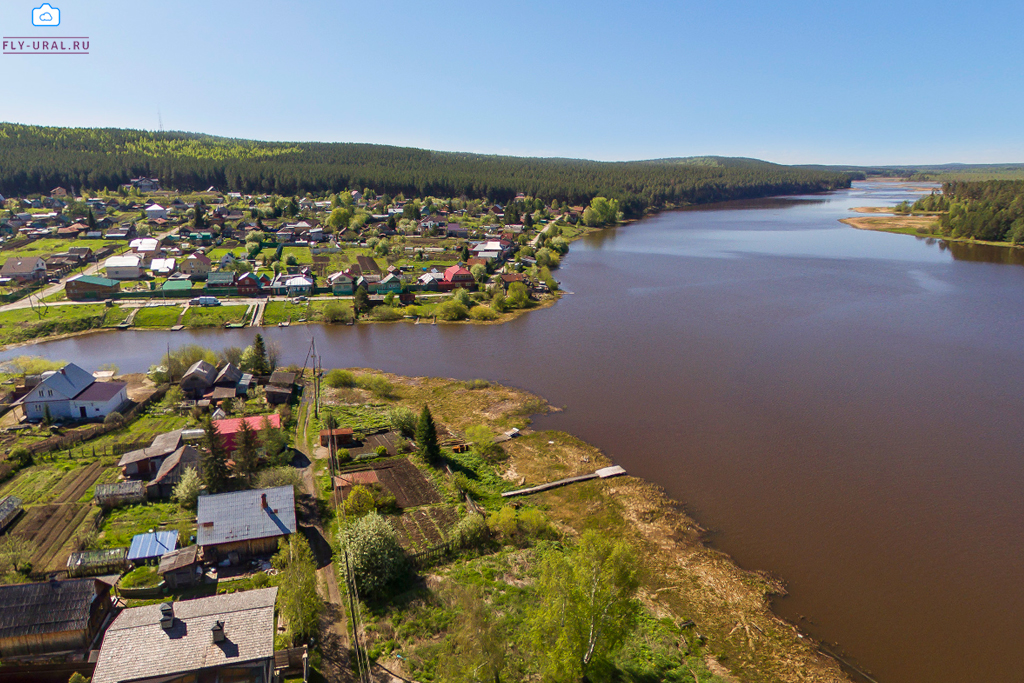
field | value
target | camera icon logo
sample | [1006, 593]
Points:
[46, 15]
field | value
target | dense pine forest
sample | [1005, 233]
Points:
[35, 159]
[986, 210]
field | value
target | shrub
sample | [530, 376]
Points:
[471, 531]
[186, 491]
[376, 559]
[403, 421]
[279, 476]
[382, 451]
[483, 313]
[113, 419]
[20, 457]
[519, 526]
[359, 502]
[340, 378]
[452, 310]
[376, 385]
[476, 384]
[336, 312]
[385, 314]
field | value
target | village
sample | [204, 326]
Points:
[151, 258]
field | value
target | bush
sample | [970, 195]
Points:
[385, 314]
[336, 312]
[279, 476]
[113, 419]
[452, 310]
[519, 526]
[376, 559]
[403, 421]
[483, 313]
[471, 531]
[381, 451]
[359, 502]
[340, 378]
[376, 385]
[186, 491]
[20, 457]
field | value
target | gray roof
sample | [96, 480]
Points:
[186, 455]
[229, 374]
[240, 516]
[47, 607]
[177, 559]
[163, 445]
[201, 369]
[136, 647]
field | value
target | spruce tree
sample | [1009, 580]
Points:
[426, 436]
[260, 363]
[214, 460]
[246, 456]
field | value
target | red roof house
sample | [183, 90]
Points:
[229, 429]
[454, 277]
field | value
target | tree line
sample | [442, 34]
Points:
[990, 210]
[35, 159]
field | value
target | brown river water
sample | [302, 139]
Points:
[842, 408]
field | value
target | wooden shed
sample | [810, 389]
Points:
[51, 617]
[340, 437]
[10, 508]
[181, 567]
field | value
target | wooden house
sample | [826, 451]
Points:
[51, 617]
[144, 463]
[198, 379]
[242, 524]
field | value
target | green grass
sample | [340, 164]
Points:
[116, 315]
[302, 254]
[213, 316]
[48, 246]
[311, 311]
[158, 316]
[24, 323]
[140, 577]
[123, 523]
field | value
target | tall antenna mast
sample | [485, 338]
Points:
[160, 120]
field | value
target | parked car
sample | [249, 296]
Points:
[205, 301]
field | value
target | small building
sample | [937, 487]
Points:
[280, 388]
[229, 376]
[455, 277]
[98, 562]
[51, 617]
[180, 568]
[198, 379]
[155, 211]
[91, 288]
[120, 493]
[58, 192]
[197, 266]
[249, 285]
[391, 283]
[221, 282]
[171, 470]
[10, 508]
[151, 546]
[228, 429]
[221, 638]
[23, 270]
[163, 267]
[340, 438]
[242, 524]
[341, 284]
[127, 267]
[145, 462]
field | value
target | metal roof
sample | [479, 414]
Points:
[146, 546]
[240, 516]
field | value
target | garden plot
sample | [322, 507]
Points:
[425, 528]
[407, 483]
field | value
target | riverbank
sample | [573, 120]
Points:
[918, 225]
[732, 629]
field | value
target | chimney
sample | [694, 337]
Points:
[166, 616]
[218, 632]
[263, 502]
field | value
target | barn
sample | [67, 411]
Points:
[51, 617]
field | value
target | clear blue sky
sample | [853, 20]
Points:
[792, 82]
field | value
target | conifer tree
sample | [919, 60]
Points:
[426, 436]
[214, 460]
[246, 456]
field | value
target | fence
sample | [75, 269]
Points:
[433, 555]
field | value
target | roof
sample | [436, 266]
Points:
[224, 277]
[95, 280]
[48, 607]
[240, 515]
[200, 368]
[255, 422]
[280, 377]
[185, 455]
[199, 257]
[68, 382]
[177, 284]
[155, 207]
[101, 391]
[229, 373]
[248, 618]
[177, 559]
[22, 265]
[162, 445]
[144, 244]
[153, 544]
[122, 262]
[451, 271]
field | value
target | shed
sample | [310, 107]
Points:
[340, 437]
[171, 470]
[280, 378]
[245, 522]
[10, 508]
[98, 562]
[152, 545]
[51, 617]
[278, 395]
[181, 567]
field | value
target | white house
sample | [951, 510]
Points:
[72, 393]
[163, 266]
[146, 248]
[123, 267]
[155, 211]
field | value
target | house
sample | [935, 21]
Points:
[341, 284]
[91, 288]
[51, 617]
[455, 277]
[143, 463]
[280, 388]
[222, 281]
[163, 267]
[146, 248]
[249, 285]
[197, 266]
[70, 231]
[123, 267]
[291, 285]
[170, 472]
[508, 278]
[24, 270]
[456, 230]
[198, 379]
[145, 184]
[58, 192]
[181, 568]
[229, 376]
[72, 393]
[152, 546]
[155, 211]
[391, 283]
[84, 254]
[245, 523]
[228, 430]
[220, 638]
[226, 260]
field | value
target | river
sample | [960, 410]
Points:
[840, 407]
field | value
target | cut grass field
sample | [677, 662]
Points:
[157, 316]
[311, 311]
[23, 324]
[48, 246]
[213, 316]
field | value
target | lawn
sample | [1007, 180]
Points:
[213, 316]
[24, 323]
[311, 311]
[116, 315]
[45, 247]
[302, 254]
[158, 316]
[123, 523]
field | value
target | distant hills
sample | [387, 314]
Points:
[938, 172]
[35, 159]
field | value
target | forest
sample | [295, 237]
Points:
[990, 210]
[35, 159]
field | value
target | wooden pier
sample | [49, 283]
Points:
[603, 473]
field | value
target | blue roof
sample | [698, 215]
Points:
[146, 546]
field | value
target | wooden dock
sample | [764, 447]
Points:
[603, 473]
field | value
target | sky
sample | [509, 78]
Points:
[861, 83]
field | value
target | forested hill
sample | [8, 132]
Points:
[37, 159]
[986, 210]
